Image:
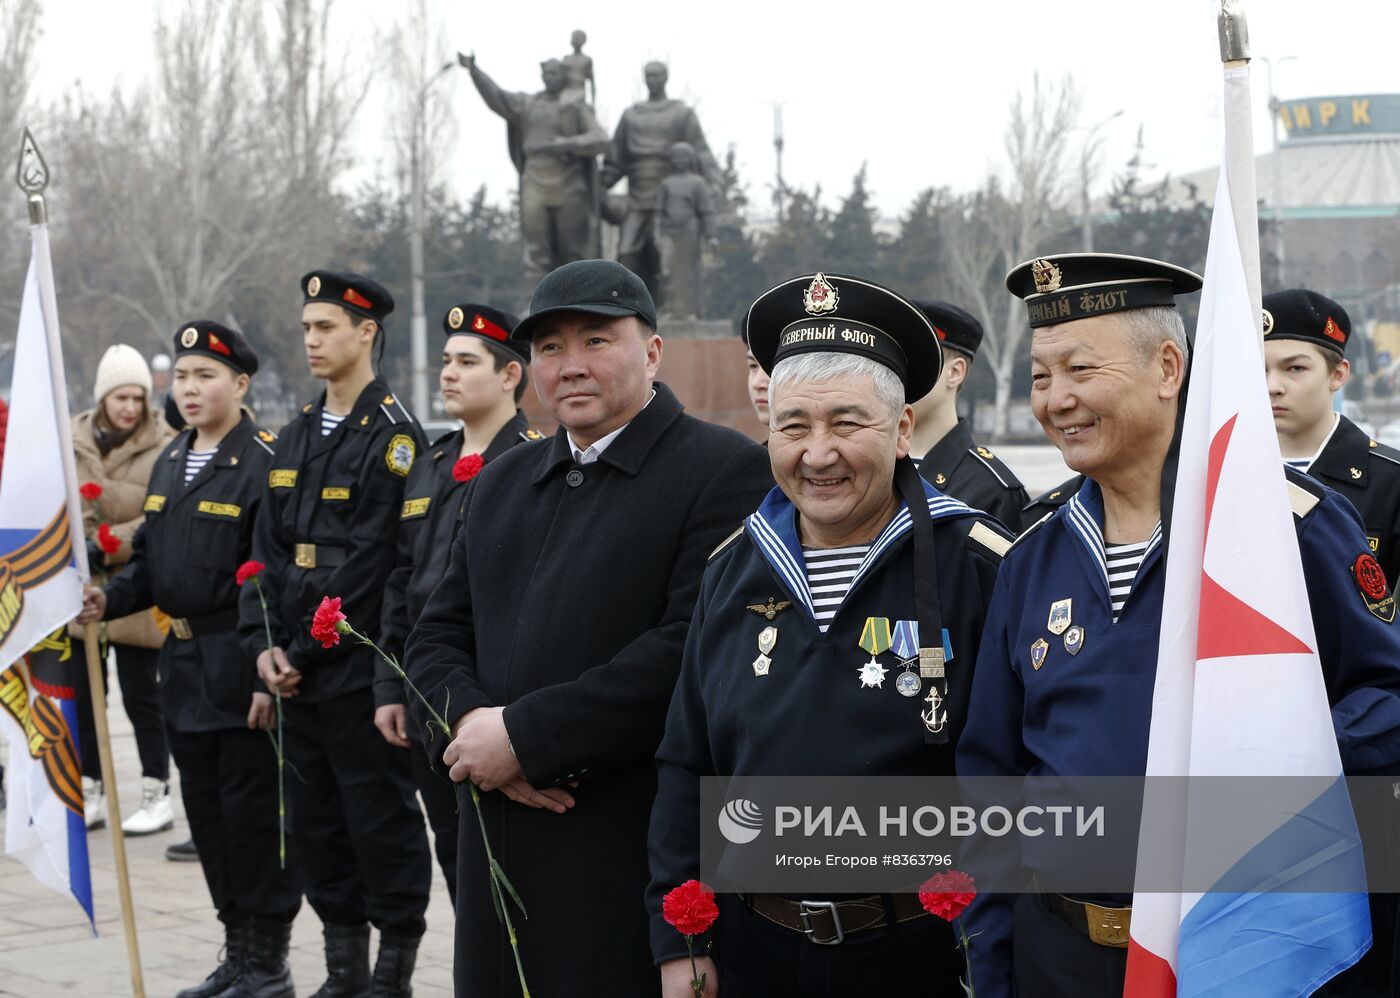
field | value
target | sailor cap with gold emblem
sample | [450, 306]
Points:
[491, 324]
[355, 292]
[1073, 286]
[834, 313]
[207, 338]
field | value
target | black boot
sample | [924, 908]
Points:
[393, 971]
[265, 970]
[235, 934]
[347, 962]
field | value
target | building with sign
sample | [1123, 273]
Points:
[1329, 201]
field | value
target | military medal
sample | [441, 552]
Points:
[1039, 650]
[767, 639]
[1074, 640]
[1059, 616]
[875, 638]
[905, 645]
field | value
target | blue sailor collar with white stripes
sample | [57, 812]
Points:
[1084, 515]
[773, 528]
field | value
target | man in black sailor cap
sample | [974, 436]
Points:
[835, 635]
[328, 526]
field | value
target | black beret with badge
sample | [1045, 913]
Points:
[1074, 286]
[491, 324]
[355, 292]
[595, 287]
[207, 338]
[956, 328]
[1299, 314]
[835, 313]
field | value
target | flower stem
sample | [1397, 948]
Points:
[498, 890]
[967, 958]
[695, 984]
[277, 744]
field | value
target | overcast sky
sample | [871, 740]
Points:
[920, 92]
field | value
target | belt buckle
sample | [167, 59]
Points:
[1108, 926]
[181, 627]
[805, 911]
[306, 556]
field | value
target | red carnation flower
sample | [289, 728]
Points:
[247, 570]
[468, 467]
[690, 908]
[90, 490]
[947, 895]
[325, 625]
[107, 541]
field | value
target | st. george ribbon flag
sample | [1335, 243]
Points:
[1239, 689]
[40, 591]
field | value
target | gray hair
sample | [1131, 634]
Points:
[1148, 328]
[828, 365]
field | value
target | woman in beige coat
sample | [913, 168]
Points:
[116, 445]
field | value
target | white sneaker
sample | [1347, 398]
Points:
[94, 803]
[155, 813]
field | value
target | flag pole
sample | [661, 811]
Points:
[1238, 168]
[32, 175]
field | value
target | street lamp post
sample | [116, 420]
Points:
[1091, 145]
[418, 319]
[1276, 163]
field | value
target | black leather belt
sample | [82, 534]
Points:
[320, 555]
[1103, 925]
[187, 628]
[827, 923]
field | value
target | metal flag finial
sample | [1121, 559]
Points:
[1234, 31]
[32, 176]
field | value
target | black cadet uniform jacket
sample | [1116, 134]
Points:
[958, 467]
[343, 493]
[184, 557]
[1367, 473]
[432, 511]
[567, 600]
[1047, 502]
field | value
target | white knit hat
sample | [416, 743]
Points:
[121, 365]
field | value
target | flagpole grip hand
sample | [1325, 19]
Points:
[94, 605]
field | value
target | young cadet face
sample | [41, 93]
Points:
[333, 345]
[1300, 386]
[1107, 407]
[471, 385]
[758, 388]
[124, 406]
[593, 373]
[206, 391]
[833, 445]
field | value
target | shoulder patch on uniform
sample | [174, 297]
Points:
[265, 439]
[1301, 500]
[989, 539]
[997, 467]
[153, 504]
[400, 454]
[393, 408]
[532, 435]
[1383, 451]
[726, 543]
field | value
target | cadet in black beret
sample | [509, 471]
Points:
[482, 380]
[200, 506]
[1305, 341]
[328, 526]
[952, 460]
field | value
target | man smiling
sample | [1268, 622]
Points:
[552, 644]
